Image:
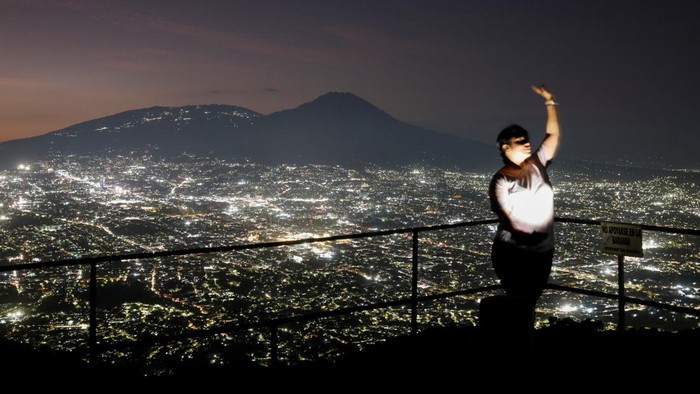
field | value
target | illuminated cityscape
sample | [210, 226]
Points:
[72, 207]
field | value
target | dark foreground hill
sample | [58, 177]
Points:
[336, 128]
[563, 351]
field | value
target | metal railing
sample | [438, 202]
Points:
[273, 324]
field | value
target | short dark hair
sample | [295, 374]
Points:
[507, 134]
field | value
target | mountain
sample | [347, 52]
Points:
[336, 128]
[161, 130]
[344, 128]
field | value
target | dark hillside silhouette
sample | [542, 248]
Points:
[336, 128]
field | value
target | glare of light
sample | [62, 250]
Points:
[588, 309]
[651, 268]
[15, 315]
[568, 308]
[650, 244]
[323, 253]
[297, 259]
[293, 237]
[684, 290]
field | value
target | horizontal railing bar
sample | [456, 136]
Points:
[262, 245]
[483, 289]
[577, 221]
[673, 308]
[260, 324]
[293, 319]
[632, 300]
[661, 229]
[670, 230]
[577, 290]
[343, 311]
[230, 248]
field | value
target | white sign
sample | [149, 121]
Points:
[622, 239]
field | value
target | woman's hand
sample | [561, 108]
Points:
[542, 91]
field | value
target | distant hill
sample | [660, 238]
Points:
[157, 129]
[336, 128]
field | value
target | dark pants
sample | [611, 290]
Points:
[522, 273]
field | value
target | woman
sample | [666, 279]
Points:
[521, 195]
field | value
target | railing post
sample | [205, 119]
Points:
[92, 342]
[621, 294]
[414, 286]
[274, 357]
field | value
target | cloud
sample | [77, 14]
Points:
[271, 90]
[137, 20]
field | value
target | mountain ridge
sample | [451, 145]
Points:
[335, 128]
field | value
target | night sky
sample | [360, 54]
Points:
[625, 72]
